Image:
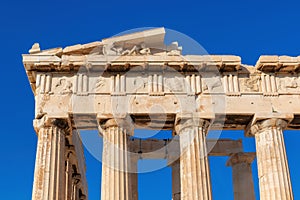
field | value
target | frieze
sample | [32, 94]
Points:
[289, 84]
[163, 83]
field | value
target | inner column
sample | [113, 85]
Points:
[116, 177]
[242, 175]
[194, 166]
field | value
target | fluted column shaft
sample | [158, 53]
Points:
[116, 178]
[242, 175]
[49, 175]
[75, 180]
[273, 171]
[194, 166]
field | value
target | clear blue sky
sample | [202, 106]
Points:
[244, 28]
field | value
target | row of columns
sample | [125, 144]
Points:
[117, 178]
[191, 175]
[241, 172]
[55, 178]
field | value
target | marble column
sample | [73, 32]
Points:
[176, 180]
[116, 176]
[273, 171]
[49, 175]
[243, 186]
[75, 180]
[194, 166]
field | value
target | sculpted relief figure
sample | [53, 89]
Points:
[139, 84]
[140, 49]
[251, 84]
[174, 50]
[212, 84]
[292, 83]
[64, 86]
[175, 84]
[114, 49]
[100, 83]
[289, 84]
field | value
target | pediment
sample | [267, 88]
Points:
[148, 42]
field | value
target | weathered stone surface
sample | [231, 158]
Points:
[278, 64]
[149, 84]
[35, 48]
[194, 166]
[49, 176]
[116, 164]
[242, 175]
[273, 171]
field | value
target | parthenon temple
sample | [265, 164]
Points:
[136, 81]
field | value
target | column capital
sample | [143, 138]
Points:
[242, 157]
[46, 122]
[124, 123]
[183, 123]
[262, 125]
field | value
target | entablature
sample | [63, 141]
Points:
[137, 74]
